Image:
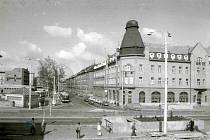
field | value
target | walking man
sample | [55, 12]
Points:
[33, 128]
[78, 130]
[133, 128]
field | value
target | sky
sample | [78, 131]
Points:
[77, 33]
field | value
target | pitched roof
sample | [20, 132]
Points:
[171, 48]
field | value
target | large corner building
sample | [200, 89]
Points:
[135, 73]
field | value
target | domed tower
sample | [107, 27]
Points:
[132, 44]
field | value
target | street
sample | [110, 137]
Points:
[61, 123]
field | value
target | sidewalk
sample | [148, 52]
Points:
[67, 132]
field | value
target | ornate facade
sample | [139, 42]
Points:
[135, 73]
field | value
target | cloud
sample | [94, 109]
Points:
[92, 46]
[32, 50]
[93, 38]
[77, 51]
[97, 43]
[57, 31]
[4, 54]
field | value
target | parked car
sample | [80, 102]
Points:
[105, 103]
[91, 102]
[86, 99]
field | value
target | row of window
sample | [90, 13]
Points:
[156, 97]
[173, 70]
[173, 56]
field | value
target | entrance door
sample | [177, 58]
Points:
[199, 97]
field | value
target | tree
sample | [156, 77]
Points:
[48, 68]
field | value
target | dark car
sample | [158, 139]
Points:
[105, 103]
[86, 99]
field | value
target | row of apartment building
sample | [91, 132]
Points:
[135, 73]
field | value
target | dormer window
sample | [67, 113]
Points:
[179, 57]
[158, 55]
[186, 57]
[152, 55]
[172, 56]
[127, 67]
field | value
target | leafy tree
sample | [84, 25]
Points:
[48, 69]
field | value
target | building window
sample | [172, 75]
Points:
[173, 81]
[129, 97]
[173, 69]
[114, 95]
[152, 55]
[123, 97]
[140, 80]
[209, 60]
[171, 97]
[204, 70]
[180, 69]
[194, 98]
[159, 68]
[140, 67]
[179, 57]
[15, 77]
[204, 81]
[155, 97]
[187, 82]
[142, 97]
[158, 55]
[110, 95]
[172, 56]
[198, 82]
[199, 61]
[152, 68]
[180, 81]
[183, 97]
[118, 95]
[198, 70]
[152, 80]
[186, 57]
[127, 67]
[159, 80]
[186, 70]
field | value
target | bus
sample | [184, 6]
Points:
[65, 98]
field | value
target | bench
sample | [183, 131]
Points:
[108, 125]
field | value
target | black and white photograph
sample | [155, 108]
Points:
[104, 69]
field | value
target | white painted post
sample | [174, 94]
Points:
[30, 79]
[166, 82]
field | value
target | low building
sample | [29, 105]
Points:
[20, 98]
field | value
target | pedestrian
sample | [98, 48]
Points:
[43, 125]
[78, 130]
[33, 127]
[99, 133]
[133, 128]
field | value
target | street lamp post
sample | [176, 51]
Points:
[165, 34]
[166, 86]
[30, 80]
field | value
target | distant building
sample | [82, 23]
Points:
[135, 73]
[17, 76]
[14, 87]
